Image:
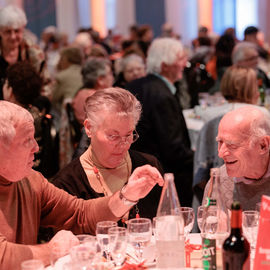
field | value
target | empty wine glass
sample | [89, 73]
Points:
[139, 234]
[250, 223]
[188, 217]
[118, 244]
[102, 230]
[200, 216]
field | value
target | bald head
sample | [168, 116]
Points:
[249, 121]
[244, 142]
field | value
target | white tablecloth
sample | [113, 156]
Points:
[194, 238]
[194, 125]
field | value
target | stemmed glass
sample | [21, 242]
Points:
[188, 217]
[250, 223]
[102, 231]
[118, 244]
[200, 216]
[139, 234]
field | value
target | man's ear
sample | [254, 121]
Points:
[264, 144]
[87, 127]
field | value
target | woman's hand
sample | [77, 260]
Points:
[140, 183]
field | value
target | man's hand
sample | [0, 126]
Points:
[140, 183]
[62, 242]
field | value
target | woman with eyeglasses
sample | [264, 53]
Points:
[104, 168]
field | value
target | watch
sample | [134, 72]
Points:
[125, 200]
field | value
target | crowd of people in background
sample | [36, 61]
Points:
[73, 70]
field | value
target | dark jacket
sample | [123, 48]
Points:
[163, 132]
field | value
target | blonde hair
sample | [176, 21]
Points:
[239, 84]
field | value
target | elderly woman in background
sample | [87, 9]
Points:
[96, 75]
[112, 115]
[14, 48]
[131, 67]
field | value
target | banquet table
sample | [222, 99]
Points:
[194, 125]
[196, 262]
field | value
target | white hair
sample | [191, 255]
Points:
[131, 58]
[162, 50]
[12, 16]
[11, 116]
[118, 101]
[241, 50]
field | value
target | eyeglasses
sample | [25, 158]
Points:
[116, 139]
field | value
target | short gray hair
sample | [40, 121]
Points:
[259, 123]
[11, 116]
[241, 50]
[131, 58]
[92, 69]
[12, 16]
[113, 99]
[162, 50]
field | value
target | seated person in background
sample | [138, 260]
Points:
[245, 54]
[244, 143]
[131, 67]
[239, 87]
[23, 86]
[68, 79]
[29, 200]
[97, 74]
[104, 168]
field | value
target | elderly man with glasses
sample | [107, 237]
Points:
[104, 168]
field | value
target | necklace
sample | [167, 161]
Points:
[98, 177]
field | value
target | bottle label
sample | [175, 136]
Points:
[209, 254]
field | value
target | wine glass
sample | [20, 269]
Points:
[102, 230]
[188, 217]
[200, 216]
[250, 223]
[139, 234]
[118, 244]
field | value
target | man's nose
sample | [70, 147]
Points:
[35, 146]
[222, 150]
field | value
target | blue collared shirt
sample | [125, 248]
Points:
[167, 82]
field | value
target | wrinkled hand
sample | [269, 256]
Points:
[140, 183]
[63, 241]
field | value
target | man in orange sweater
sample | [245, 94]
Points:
[28, 200]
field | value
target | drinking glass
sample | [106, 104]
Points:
[200, 216]
[32, 265]
[250, 222]
[118, 244]
[139, 234]
[102, 230]
[188, 217]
